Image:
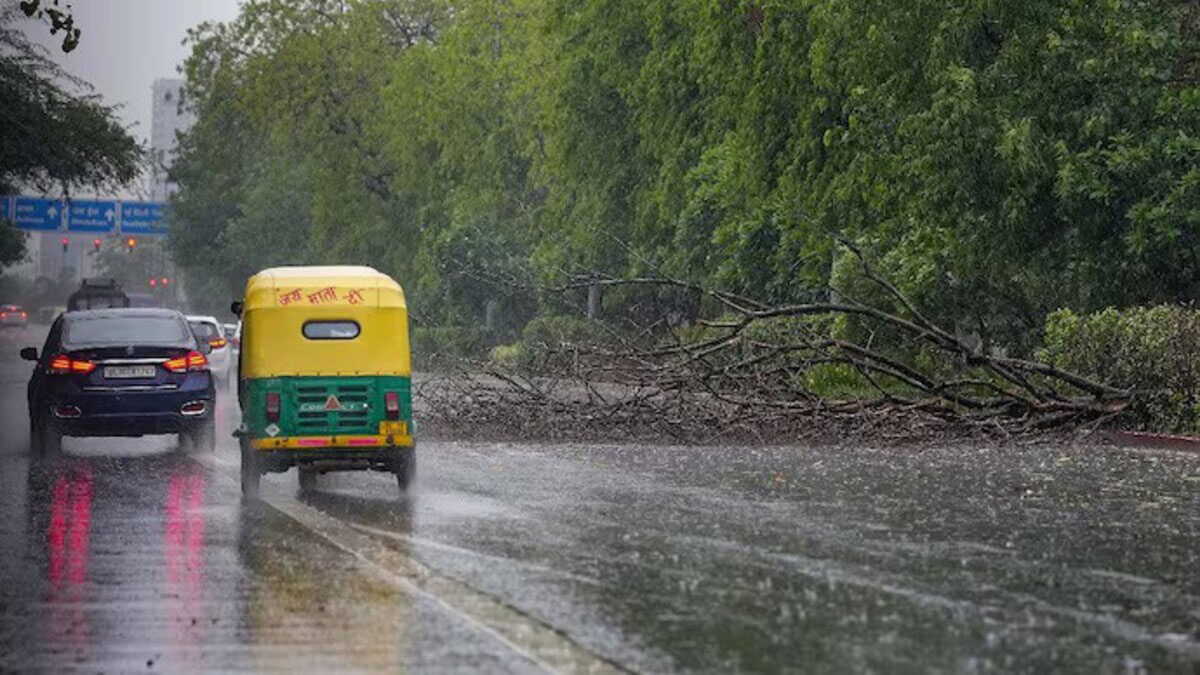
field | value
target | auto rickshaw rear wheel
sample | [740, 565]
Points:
[251, 473]
[406, 468]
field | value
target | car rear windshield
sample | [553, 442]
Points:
[126, 330]
[204, 330]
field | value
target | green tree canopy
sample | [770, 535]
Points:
[54, 135]
[1000, 160]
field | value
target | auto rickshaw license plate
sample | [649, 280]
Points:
[393, 429]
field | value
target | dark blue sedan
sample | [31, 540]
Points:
[121, 372]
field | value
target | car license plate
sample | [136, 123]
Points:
[129, 372]
[393, 429]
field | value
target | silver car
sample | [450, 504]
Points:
[231, 333]
[221, 360]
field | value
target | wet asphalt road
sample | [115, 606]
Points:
[129, 556]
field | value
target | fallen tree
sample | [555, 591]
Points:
[748, 373]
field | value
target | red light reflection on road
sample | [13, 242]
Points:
[184, 547]
[67, 541]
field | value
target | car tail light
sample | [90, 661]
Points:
[24, 315]
[391, 405]
[217, 343]
[272, 407]
[65, 365]
[194, 361]
[3, 315]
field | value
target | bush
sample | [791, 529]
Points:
[431, 343]
[543, 340]
[555, 331]
[510, 357]
[837, 380]
[1153, 350]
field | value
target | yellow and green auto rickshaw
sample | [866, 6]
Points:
[324, 374]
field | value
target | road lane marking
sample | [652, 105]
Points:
[539, 642]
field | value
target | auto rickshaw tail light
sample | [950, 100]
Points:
[194, 361]
[272, 407]
[391, 405]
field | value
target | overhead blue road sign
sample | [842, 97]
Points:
[85, 215]
[6, 208]
[142, 218]
[37, 213]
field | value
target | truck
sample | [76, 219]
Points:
[98, 294]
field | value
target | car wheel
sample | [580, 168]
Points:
[406, 469]
[35, 437]
[204, 436]
[308, 479]
[251, 474]
[49, 438]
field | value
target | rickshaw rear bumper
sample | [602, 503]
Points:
[270, 457]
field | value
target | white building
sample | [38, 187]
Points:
[168, 119]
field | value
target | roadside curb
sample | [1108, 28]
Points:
[1140, 439]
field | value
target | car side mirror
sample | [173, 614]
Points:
[29, 354]
[203, 347]
[237, 307]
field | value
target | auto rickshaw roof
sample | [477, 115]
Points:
[323, 286]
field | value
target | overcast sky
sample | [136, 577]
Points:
[127, 44]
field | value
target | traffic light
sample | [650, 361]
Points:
[65, 242]
[131, 243]
[165, 281]
[153, 283]
[95, 245]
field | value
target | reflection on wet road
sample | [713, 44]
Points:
[129, 555]
[112, 564]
